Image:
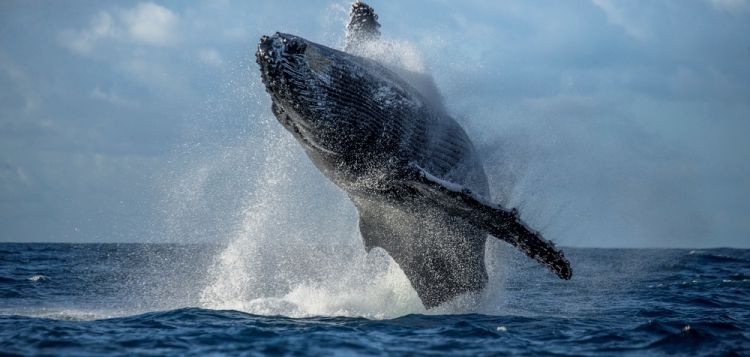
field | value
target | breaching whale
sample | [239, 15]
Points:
[409, 168]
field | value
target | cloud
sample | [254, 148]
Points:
[83, 41]
[146, 24]
[124, 39]
[151, 24]
[210, 57]
[112, 97]
[19, 82]
[731, 6]
[234, 33]
[165, 80]
[12, 172]
[617, 15]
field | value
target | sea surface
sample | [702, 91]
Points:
[152, 299]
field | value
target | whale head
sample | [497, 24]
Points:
[283, 61]
[298, 75]
[334, 103]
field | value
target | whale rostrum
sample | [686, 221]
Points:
[409, 168]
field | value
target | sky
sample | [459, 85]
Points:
[608, 123]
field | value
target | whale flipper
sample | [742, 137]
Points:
[435, 230]
[499, 222]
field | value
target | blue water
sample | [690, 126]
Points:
[79, 299]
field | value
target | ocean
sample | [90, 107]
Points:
[161, 299]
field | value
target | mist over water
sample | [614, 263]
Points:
[297, 254]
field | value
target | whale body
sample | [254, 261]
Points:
[409, 168]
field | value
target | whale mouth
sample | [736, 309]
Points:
[275, 50]
[281, 59]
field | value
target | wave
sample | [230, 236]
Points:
[206, 331]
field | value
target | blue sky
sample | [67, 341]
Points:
[610, 123]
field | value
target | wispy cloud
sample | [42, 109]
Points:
[84, 41]
[731, 6]
[20, 83]
[112, 97]
[151, 24]
[210, 57]
[618, 15]
[146, 24]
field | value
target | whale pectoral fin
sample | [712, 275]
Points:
[363, 26]
[496, 220]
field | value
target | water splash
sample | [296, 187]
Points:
[296, 249]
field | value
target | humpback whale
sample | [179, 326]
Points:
[409, 168]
